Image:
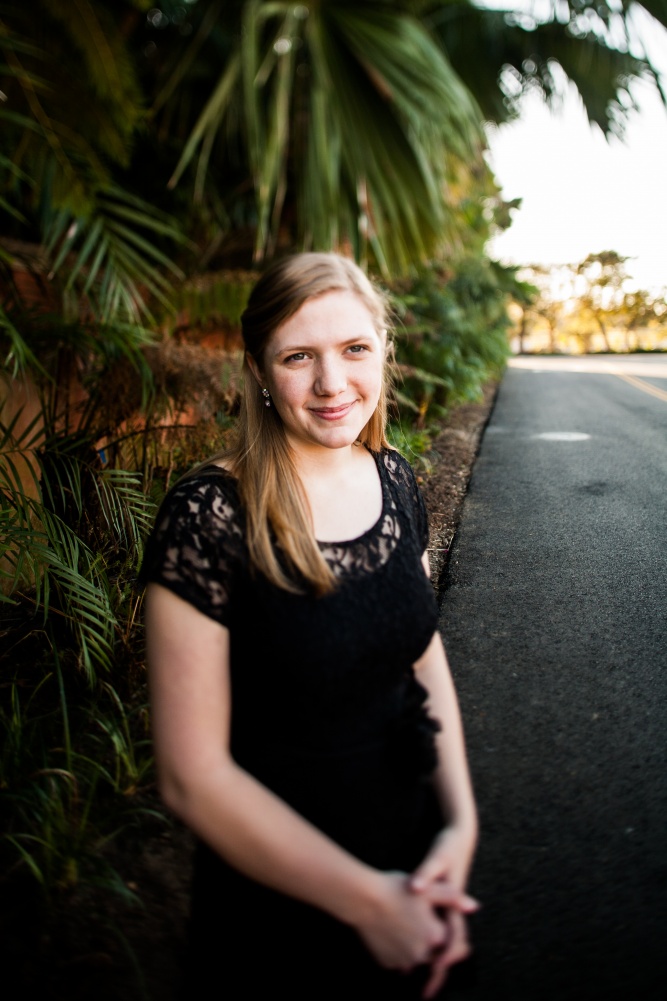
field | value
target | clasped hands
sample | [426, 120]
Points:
[422, 919]
[441, 879]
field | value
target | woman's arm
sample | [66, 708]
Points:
[452, 777]
[246, 823]
[451, 854]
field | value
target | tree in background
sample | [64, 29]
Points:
[537, 305]
[594, 299]
[641, 311]
[604, 276]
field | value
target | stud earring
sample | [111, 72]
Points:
[267, 397]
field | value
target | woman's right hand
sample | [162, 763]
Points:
[403, 929]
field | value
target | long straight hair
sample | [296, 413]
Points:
[280, 536]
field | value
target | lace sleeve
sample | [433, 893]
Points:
[412, 501]
[197, 543]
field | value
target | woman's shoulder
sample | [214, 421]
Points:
[210, 491]
[202, 512]
[202, 508]
[397, 468]
[402, 483]
[198, 541]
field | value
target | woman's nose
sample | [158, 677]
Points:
[330, 378]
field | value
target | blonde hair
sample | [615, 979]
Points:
[277, 514]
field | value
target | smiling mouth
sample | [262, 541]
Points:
[333, 413]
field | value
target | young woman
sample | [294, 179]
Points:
[306, 727]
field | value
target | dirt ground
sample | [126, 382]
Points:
[452, 456]
[93, 944]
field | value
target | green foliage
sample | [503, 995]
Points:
[65, 138]
[72, 523]
[18, 356]
[592, 45]
[69, 550]
[345, 108]
[413, 442]
[131, 762]
[67, 133]
[453, 335]
[59, 812]
[216, 296]
[69, 539]
[109, 261]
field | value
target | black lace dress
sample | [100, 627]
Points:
[326, 712]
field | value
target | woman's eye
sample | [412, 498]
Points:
[358, 348]
[297, 356]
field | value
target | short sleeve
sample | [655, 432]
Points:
[421, 514]
[197, 544]
[402, 473]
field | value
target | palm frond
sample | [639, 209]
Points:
[77, 577]
[127, 510]
[109, 262]
[66, 580]
[351, 106]
[18, 356]
[44, 556]
[601, 74]
[210, 119]
[179, 71]
[94, 34]
[587, 45]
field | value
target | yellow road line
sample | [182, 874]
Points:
[646, 387]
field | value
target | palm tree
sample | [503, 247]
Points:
[72, 104]
[501, 54]
[352, 123]
[349, 117]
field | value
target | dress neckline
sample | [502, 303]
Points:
[377, 524]
[338, 543]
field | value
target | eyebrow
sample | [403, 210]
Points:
[360, 338]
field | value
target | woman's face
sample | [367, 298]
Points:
[324, 368]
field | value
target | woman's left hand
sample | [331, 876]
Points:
[448, 861]
[448, 858]
[455, 950]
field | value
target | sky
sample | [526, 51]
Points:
[582, 193]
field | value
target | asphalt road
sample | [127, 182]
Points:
[554, 617]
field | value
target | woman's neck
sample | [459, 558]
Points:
[343, 490]
[325, 463]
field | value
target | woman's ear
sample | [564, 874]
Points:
[254, 368]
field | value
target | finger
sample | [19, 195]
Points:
[443, 894]
[458, 945]
[441, 966]
[433, 867]
[435, 982]
[439, 970]
[456, 951]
